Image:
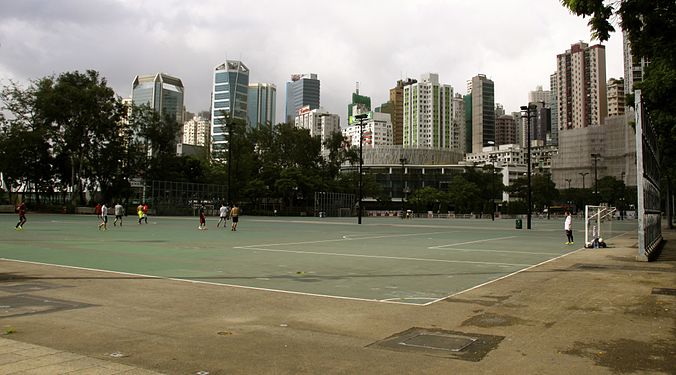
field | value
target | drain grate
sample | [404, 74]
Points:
[24, 304]
[441, 343]
[665, 291]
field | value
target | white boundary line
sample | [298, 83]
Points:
[512, 274]
[343, 238]
[211, 283]
[494, 251]
[469, 242]
[376, 256]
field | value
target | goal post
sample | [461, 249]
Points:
[598, 223]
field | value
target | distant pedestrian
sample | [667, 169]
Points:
[145, 212]
[97, 211]
[139, 212]
[119, 211]
[21, 210]
[234, 214]
[104, 217]
[223, 213]
[203, 219]
[568, 227]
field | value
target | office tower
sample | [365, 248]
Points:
[161, 92]
[615, 97]
[301, 91]
[318, 121]
[554, 106]
[360, 104]
[505, 130]
[483, 112]
[164, 94]
[261, 104]
[499, 110]
[229, 102]
[581, 88]
[540, 125]
[459, 134]
[428, 113]
[467, 99]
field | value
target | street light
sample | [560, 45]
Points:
[493, 158]
[596, 179]
[361, 118]
[583, 174]
[568, 180]
[528, 112]
[403, 163]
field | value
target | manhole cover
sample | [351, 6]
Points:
[439, 341]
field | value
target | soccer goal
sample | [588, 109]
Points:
[598, 223]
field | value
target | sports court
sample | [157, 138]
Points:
[417, 261]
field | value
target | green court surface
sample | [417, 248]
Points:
[416, 261]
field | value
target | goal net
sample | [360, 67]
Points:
[598, 223]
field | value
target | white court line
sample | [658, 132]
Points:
[494, 251]
[378, 256]
[344, 239]
[211, 283]
[469, 242]
[512, 274]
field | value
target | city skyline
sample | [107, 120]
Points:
[377, 43]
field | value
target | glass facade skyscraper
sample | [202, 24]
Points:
[301, 91]
[262, 104]
[161, 92]
[229, 101]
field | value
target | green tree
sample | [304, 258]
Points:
[463, 194]
[426, 199]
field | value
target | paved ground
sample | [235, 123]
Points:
[593, 311]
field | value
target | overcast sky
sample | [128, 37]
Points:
[375, 42]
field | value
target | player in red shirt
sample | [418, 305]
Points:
[21, 210]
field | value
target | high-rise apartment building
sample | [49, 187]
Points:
[302, 90]
[581, 88]
[616, 97]
[540, 96]
[505, 130]
[428, 113]
[459, 135]
[196, 131]
[483, 112]
[377, 131]
[554, 106]
[318, 121]
[229, 101]
[261, 105]
[359, 104]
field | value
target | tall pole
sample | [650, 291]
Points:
[403, 193]
[529, 112]
[596, 180]
[361, 118]
[583, 174]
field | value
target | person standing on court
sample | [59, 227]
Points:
[234, 214]
[119, 211]
[568, 227]
[21, 210]
[104, 217]
[139, 212]
[145, 212]
[223, 216]
[203, 218]
[97, 210]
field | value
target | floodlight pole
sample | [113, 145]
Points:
[403, 192]
[361, 118]
[529, 112]
[596, 180]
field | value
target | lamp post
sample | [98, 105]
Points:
[528, 112]
[596, 179]
[403, 163]
[568, 181]
[361, 118]
[583, 174]
[493, 159]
